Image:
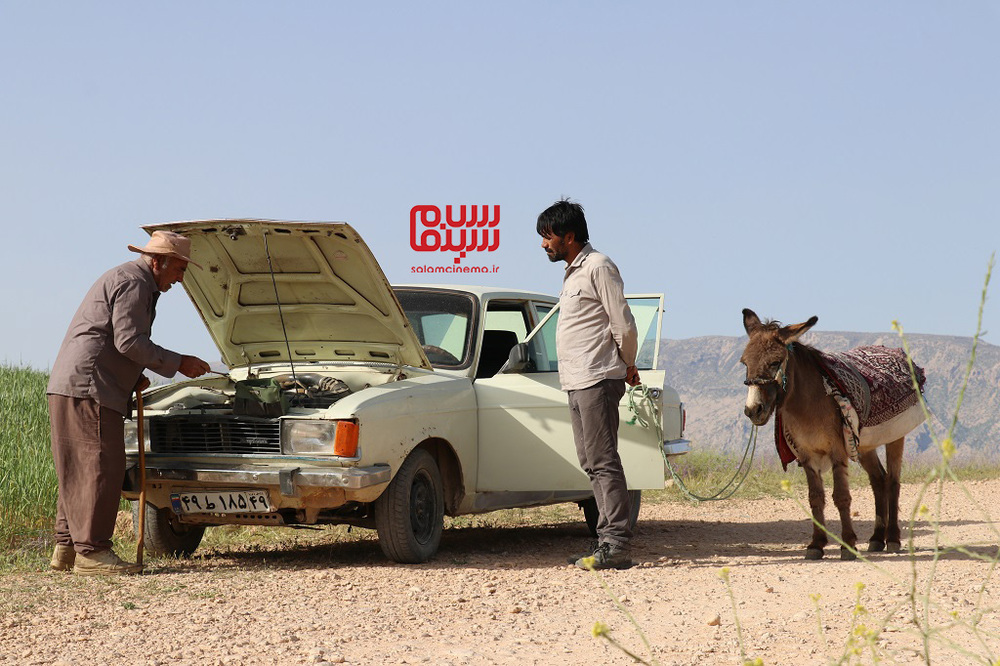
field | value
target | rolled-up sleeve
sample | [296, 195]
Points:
[611, 291]
[132, 326]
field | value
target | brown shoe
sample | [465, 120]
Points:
[63, 558]
[103, 563]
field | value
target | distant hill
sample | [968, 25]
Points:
[707, 373]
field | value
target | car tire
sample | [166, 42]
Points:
[409, 514]
[590, 513]
[164, 535]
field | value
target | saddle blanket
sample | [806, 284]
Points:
[874, 392]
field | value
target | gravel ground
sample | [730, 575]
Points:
[502, 595]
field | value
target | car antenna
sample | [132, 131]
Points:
[281, 316]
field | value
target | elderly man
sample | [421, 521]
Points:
[597, 343]
[98, 367]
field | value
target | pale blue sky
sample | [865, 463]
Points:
[837, 159]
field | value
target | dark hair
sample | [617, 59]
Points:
[561, 218]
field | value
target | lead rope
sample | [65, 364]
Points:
[727, 490]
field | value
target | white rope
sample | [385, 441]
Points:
[646, 400]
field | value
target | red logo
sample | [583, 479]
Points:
[472, 230]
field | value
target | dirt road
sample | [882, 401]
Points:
[502, 595]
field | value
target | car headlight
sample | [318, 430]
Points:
[132, 436]
[338, 438]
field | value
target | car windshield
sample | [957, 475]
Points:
[442, 322]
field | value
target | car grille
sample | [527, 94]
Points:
[214, 434]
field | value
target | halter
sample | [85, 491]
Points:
[780, 377]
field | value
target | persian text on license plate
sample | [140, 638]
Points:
[221, 501]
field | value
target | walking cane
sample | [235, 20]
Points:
[142, 478]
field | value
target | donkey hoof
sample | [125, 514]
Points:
[876, 546]
[894, 546]
[847, 554]
[814, 553]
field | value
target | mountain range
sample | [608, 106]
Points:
[707, 373]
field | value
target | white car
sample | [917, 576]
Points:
[349, 401]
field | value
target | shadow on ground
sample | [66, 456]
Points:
[697, 543]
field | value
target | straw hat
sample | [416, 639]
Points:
[169, 244]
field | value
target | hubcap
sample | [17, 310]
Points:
[422, 508]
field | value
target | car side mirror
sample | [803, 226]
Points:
[517, 360]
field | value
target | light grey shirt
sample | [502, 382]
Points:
[596, 336]
[107, 345]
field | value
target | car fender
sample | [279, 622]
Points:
[397, 417]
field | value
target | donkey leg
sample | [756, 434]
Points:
[842, 499]
[894, 465]
[817, 500]
[876, 476]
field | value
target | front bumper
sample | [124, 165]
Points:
[290, 480]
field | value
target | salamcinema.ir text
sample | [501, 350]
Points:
[455, 269]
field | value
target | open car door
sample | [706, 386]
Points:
[525, 435]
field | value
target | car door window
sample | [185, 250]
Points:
[542, 346]
[542, 309]
[507, 320]
[646, 310]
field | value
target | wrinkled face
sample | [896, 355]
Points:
[765, 357]
[167, 271]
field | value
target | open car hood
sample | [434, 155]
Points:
[316, 283]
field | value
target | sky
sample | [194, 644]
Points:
[831, 159]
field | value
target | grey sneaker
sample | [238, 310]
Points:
[63, 558]
[103, 563]
[591, 547]
[607, 556]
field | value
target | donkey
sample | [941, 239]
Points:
[830, 409]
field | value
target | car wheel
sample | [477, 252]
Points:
[591, 515]
[164, 535]
[409, 514]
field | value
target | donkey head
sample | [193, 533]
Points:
[766, 359]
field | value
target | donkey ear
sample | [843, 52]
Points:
[751, 322]
[791, 333]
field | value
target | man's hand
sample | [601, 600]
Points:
[192, 366]
[632, 376]
[142, 384]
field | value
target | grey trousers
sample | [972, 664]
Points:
[88, 448]
[594, 414]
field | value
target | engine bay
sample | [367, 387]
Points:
[295, 392]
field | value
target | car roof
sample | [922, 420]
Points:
[483, 293]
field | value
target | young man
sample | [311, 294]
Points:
[597, 342]
[98, 367]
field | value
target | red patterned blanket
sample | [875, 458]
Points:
[871, 386]
[876, 380]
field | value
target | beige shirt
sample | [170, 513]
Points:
[596, 336]
[107, 345]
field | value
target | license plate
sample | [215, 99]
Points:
[221, 501]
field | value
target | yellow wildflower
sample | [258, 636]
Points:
[947, 448]
[600, 629]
